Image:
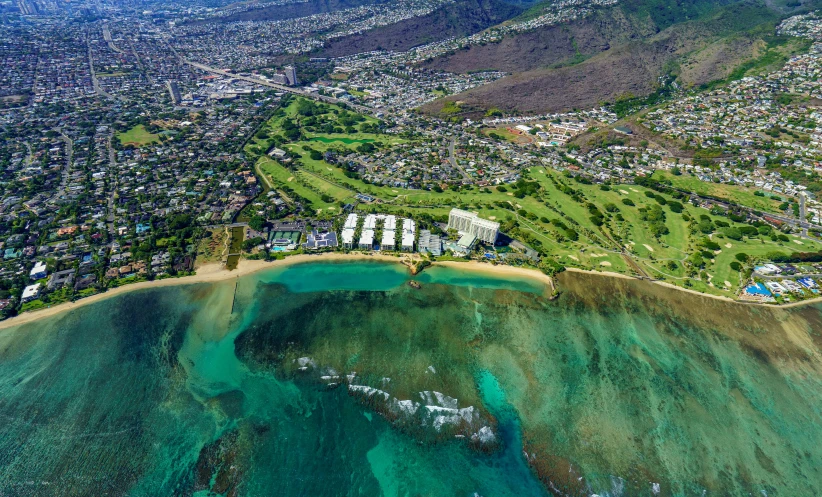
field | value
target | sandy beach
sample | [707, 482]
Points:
[216, 272]
[205, 274]
[499, 270]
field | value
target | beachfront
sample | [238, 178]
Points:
[215, 272]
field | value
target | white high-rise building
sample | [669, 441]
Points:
[291, 76]
[468, 222]
[409, 231]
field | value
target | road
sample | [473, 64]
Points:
[453, 159]
[27, 160]
[113, 175]
[107, 38]
[69, 159]
[297, 91]
[140, 64]
[94, 81]
[803, 214]
[790, 220]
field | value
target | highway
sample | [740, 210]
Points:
[297, 91]
[108, 40]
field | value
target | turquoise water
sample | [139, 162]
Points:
[340, 379]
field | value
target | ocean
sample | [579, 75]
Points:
[339, 379]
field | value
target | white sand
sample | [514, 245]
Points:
[206, 274]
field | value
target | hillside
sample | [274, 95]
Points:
[293, 10]
[548, 46]
[617, 51]
[460, 19]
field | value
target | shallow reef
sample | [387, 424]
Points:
[341, 379]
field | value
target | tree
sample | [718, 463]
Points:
[256, 223]
[366, 148]
[732, 233]
[706, 226]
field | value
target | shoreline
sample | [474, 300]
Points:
[215, 272]
[484, 267]
[723, 298]
[208, 273]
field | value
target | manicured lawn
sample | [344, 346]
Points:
[323, 185]
[740, 194]
[281, 177]
[341, 139]
[137, 136]
[506, 135]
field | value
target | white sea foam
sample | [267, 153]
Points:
[369, 391]
[304, 362]
[484, 435]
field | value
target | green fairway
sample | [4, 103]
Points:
[137, 136]
[736, 193]
[342, 139]
[310, 188]
[582, 225]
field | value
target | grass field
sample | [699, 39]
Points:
[620, 240]
[306, 186]
[506, 135]
[740, 194]
[315, 180]
[137, 136]
[599, 248]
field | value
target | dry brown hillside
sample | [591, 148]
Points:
[604, 57]
[459, 19]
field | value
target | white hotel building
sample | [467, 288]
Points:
[470, 223]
